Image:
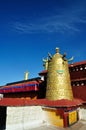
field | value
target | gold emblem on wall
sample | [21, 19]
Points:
[72, 117]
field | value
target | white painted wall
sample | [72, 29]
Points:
[82, 113]
[24, 118]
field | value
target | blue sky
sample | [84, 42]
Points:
[29, 29]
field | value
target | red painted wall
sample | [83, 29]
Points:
[79, 92]
[78, 74]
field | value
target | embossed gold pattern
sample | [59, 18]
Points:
[58, 78]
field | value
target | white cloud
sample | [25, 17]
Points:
[67, 21]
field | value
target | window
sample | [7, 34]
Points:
[81, 68]
[85, 67]
[82, 84]
[77, 68]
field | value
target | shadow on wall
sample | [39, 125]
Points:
[3, 111]
[42, 90]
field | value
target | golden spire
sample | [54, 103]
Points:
[26, 75]
[58, 78]
[57, 50]
[45, 64]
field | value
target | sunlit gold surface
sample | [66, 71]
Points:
[72, 117]
[53, 117]
[58, 79]
[26, 75]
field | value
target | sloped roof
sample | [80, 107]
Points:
[77, 63]
[20, 87]
[39, 102]
[24, 81]
[43, 72]
[78, 79]
[70, 65]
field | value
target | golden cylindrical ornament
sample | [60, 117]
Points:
[58, 79]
